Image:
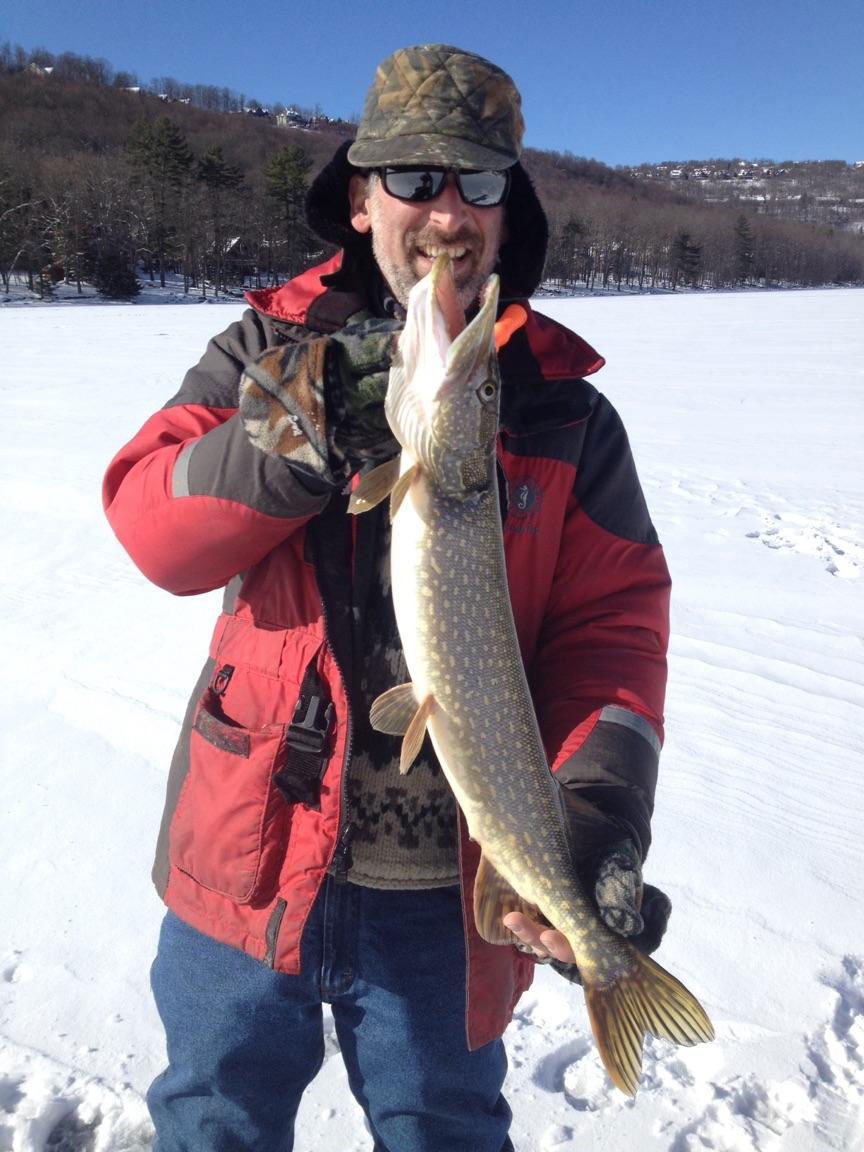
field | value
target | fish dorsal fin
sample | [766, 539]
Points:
[374, 487]
[494, 897]
[397, 712]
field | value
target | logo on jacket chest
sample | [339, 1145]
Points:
[525, 498]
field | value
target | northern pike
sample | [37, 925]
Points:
[468, 685]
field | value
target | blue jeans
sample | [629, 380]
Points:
[244, 1041]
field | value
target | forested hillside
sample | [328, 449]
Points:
[103, 180]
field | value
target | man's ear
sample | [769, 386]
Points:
[358, 201]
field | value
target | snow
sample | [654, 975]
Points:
[745, 413]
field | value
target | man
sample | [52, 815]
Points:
[297, 865]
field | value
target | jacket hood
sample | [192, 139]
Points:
[521, 258]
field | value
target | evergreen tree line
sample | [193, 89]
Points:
[93, 191]
[611, 240]
[70, 68]
[155, 207]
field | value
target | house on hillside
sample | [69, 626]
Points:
[290, 118]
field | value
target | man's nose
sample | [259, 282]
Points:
[448, 209]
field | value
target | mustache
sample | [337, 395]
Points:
[465, 235]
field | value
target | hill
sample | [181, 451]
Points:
[100, 177]
[823, 192]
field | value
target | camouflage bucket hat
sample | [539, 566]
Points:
[435, 104]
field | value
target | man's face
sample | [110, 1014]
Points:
[406, 236]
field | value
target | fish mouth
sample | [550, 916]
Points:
[433, 403]
[438, 349]
[463, 347]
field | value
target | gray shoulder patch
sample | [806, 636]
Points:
[614, 714]
[180, 475]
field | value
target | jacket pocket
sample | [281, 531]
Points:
[230, 828]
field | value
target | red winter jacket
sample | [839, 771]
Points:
[198, 507]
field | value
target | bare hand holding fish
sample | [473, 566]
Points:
[469, 689]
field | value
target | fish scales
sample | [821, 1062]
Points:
[469, 689]
[453, 584]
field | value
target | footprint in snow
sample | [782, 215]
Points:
[838, 547]
[558, 1138]
[835, 1059]
[47, 1107]
[576, 1071]
[745, 1115]
[13, 970]
[823, 540]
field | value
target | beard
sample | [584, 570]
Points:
[470, 273]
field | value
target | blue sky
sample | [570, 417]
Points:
[623, 81]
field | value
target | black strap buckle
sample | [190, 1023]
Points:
[304, 755]
[310, 725]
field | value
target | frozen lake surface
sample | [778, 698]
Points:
[746, 415]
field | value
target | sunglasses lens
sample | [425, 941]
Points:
[483, 189]
[415, 184]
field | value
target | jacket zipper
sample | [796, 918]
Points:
[345, 832]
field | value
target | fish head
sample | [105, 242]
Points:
[444, 389]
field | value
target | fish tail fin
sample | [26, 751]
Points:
[647, 999]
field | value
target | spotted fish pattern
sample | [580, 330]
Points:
[468, 685]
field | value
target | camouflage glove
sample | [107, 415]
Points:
[609, 863]
[320, 404]
[626, 905]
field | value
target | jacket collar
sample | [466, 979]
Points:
[325, 297]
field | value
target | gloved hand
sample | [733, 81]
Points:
[614, 873]
[355, 408]
[320, 404]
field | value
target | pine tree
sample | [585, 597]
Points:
[685, 258]
[218, 177]
[160, 153]
[574, 249]
[113, 275]
[286, 184]
[744, 252]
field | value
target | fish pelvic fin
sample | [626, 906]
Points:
[494, 897]
[400, 490]
[413, 740]
[374, 487]
[645, 1000]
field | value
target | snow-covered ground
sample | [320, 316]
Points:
[746, 415]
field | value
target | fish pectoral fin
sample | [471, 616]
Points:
[413, 741]
[647, 998]
[374, 487]
[494, 897]
[393, 711]
[400, 489]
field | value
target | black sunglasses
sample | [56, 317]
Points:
[481, 189]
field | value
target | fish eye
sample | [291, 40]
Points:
[487, 390]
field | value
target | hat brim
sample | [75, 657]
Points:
[447, 151]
